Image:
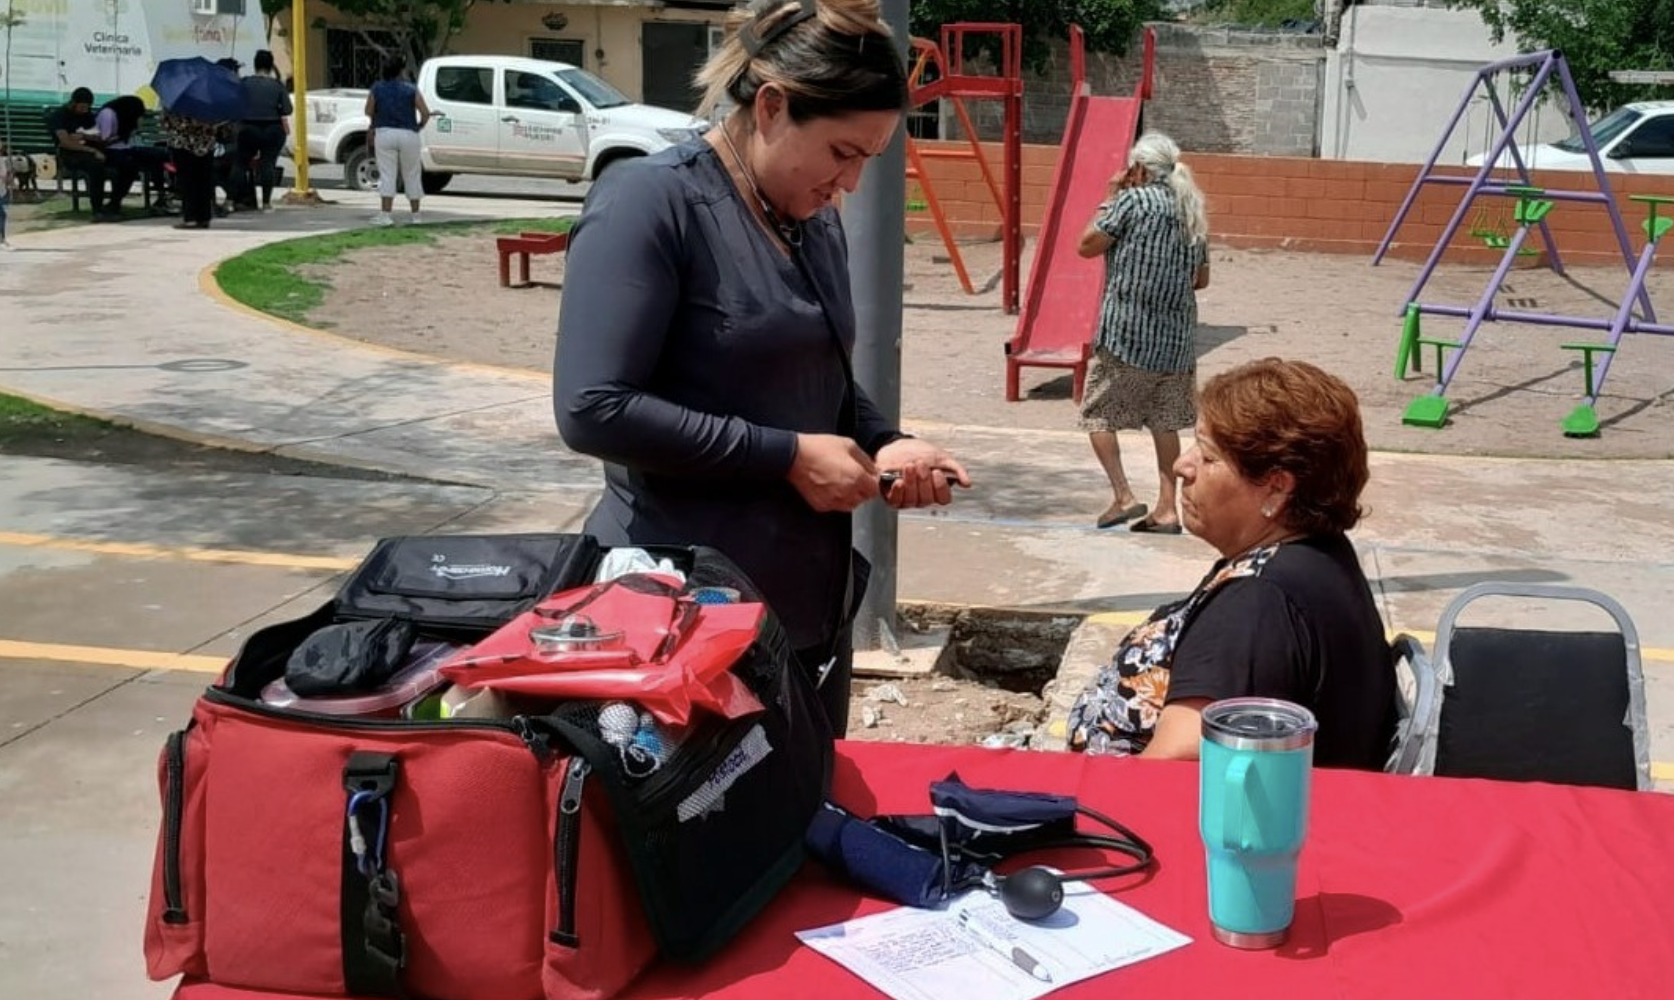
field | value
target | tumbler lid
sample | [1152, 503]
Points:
[1259, 724]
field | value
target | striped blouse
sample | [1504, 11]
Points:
[1150, 310]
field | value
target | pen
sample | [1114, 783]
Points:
[1015, 953]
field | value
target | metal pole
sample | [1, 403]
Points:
[1424, 172]
[1578, 112]
[875, 218]
[1477, 183]
[299, 99]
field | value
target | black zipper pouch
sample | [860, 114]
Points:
[448, 588]
[485, 579]
[717, 827]
[350, 657]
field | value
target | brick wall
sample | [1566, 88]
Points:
[1217, 90]
[1046, 93]
[1222, 90]
[1295, 203]
[1344, 206]
[965, 198]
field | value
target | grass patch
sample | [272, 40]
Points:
[268, 278]
[19, 418]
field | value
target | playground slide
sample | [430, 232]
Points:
[1055, 327]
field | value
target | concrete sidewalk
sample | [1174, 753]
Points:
[112, 321]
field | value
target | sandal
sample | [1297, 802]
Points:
[1111, 518]
[1149, 525]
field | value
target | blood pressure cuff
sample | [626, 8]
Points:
[883, 863]
[985, 824]
[920, 860]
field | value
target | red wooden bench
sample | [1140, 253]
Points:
[521, 246]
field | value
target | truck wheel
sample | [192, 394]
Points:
[434, 183]
[360, 170]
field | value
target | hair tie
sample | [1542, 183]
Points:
[755, 40]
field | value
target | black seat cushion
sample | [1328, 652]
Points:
[1537, 706]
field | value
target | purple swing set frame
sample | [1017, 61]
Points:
[1431, 410]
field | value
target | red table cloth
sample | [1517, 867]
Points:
[1408, 888]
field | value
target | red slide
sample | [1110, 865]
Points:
[1055, 328]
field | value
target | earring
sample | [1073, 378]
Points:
[1267, 512]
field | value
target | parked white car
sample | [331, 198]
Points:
[1634, 139]
[502, 115]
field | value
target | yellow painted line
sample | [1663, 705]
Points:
[139, 550]
[139, 659]
[338, 564]
[1123, 618]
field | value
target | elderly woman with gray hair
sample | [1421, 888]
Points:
[1153, 235]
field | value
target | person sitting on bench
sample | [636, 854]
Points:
[79, 149]
[117, 122]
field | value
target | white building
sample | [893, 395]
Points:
[1397, 74]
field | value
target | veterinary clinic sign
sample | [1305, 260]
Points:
[112, 46]
[110, 43]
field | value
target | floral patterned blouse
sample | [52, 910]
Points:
[1118, 712]
[193, 134]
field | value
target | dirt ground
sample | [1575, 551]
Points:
[941, 710]
[1513, 387]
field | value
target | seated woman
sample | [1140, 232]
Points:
[1273, 482]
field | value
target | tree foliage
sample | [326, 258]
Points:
[1110, 25]
[420, 28]
[1596, 37]
[271, 9]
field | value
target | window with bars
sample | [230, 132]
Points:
[355, 58]
[564, 50]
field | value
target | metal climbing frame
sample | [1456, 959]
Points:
[956, 83]
[927, 55]
[1533, 205]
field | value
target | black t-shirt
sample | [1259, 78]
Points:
[1306, 630]
[63, 119]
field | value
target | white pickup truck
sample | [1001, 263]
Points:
[501, 115]
[1633, 139]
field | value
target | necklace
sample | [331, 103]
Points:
[790, 232]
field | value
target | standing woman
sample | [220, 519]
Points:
[398, 114]
[1154, 237]
[706, 327]
[192, 143]
[267, 105]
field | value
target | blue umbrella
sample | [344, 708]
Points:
[197, 88]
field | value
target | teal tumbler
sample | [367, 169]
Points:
[1257, 755]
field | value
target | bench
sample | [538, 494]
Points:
[46, 143]
[522, 246]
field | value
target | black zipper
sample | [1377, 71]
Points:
[566, 850]
[174, 809]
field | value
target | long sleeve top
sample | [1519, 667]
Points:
[691, 351]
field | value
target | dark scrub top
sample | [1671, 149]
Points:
[691, 351]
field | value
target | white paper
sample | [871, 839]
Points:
[914, 954]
